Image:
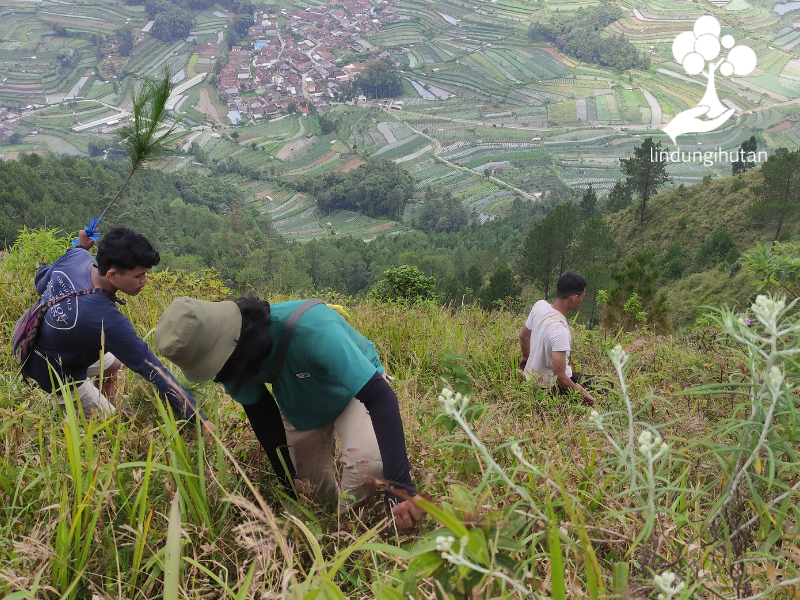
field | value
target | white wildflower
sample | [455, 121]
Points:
[766, 309]
[444, 543]
[649, 444]
[667, 586]
[448, 400]
[596, 419]
[775, 380]
[453, 403]
[516, 450]
[618, 356]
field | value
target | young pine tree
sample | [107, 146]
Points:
[644, 171]
[741, 166]
[778, 198]
[544, 255]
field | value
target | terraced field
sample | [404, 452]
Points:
[478, 96]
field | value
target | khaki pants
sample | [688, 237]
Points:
[92, 399]
[312, 453]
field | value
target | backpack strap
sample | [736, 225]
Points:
[286, 338]
[54, 301]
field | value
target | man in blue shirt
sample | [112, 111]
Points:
[75, 330]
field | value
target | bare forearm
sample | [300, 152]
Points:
[525, 343]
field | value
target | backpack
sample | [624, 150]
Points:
[27, 328]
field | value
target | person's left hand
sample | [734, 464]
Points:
[405, 516]
[209, 427]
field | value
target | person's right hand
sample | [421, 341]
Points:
[406, 515]
[588, 398]
[522, 362]
[84, 241]
[209, 427]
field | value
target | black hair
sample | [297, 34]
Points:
[125, 249]
[252, 347]
[569, 284]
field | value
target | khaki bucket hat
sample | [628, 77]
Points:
[198, 336]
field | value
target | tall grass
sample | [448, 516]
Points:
[681, 484]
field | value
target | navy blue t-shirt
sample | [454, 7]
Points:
[70, 336]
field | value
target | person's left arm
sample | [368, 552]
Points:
[341, 353]
[384, 410]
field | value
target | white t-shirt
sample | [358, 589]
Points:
[549, 333]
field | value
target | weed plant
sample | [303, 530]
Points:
[680, 483]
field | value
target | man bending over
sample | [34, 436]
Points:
[74, 330]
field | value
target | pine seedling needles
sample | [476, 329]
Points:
[145, 137]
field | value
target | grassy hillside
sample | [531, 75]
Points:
[688, 216]
[577, 508]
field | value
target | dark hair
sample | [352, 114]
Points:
[125, 249]
[569, 284]
[252, 347]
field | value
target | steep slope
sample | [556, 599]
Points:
[688, 216]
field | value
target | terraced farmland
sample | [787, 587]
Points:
[478, 96]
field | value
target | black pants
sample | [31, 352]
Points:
[586, 381]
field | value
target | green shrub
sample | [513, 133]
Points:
[406, 284]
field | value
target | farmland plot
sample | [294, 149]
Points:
[304, 222]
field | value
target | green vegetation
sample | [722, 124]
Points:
[187, 216]
[172, 22]
[379, 80]
[404, 284]
[645, 172]
[578, 34]
[522, 488]
[779, 195]
[442, 213]
[376, 188]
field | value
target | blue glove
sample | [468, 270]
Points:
[91, 230]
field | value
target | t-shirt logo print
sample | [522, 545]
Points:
[693, 49]
[64, 314]
[303, 375]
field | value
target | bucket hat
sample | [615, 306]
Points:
[199, 336]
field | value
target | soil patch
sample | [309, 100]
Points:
[292, 147]
[13, 155]
[319, 161]
[557, 55]
[205, 106]
[351, 166]
[782, 127]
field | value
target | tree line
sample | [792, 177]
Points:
[196, 222]
[172, 19]
[378, 188]
[579, 34]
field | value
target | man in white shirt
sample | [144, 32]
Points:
[545, 339]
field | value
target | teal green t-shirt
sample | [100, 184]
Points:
[327, 363]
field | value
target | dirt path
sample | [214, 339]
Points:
[205, 106]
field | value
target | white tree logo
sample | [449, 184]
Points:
[693, 49]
